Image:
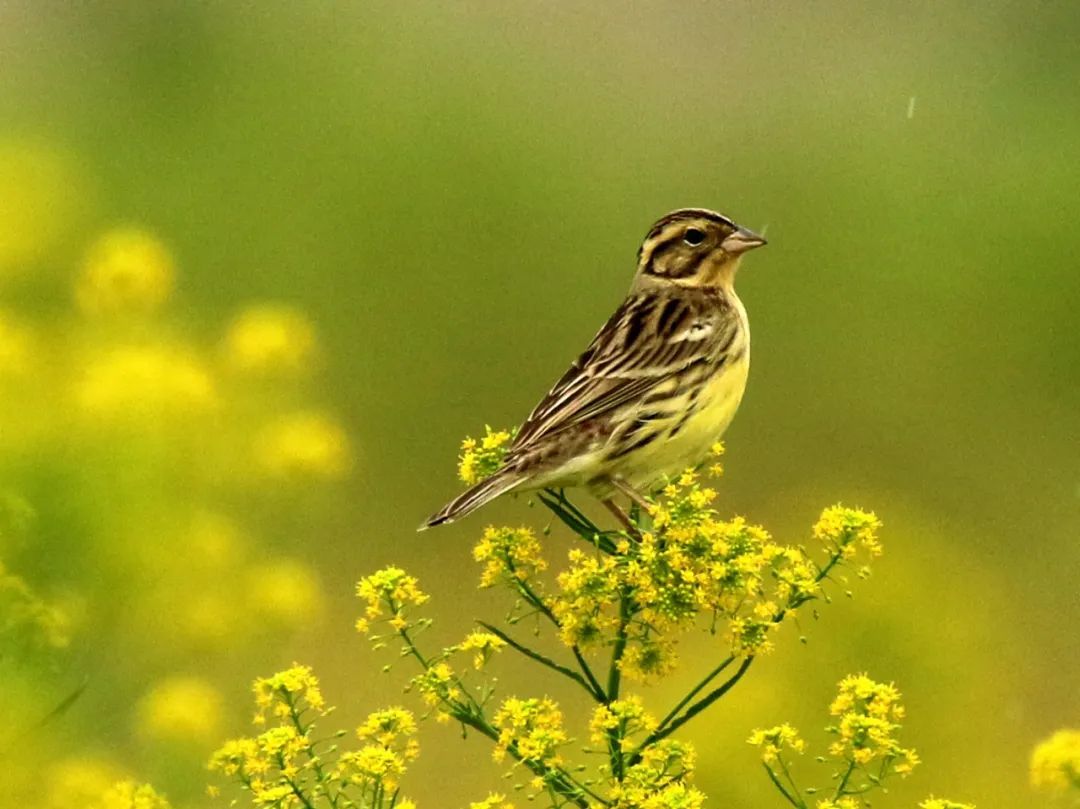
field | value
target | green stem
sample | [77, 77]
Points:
[538, 604]
[472, 715]
[697, 689]
[699, 706]
[539, 658]
[783, 791]
[787, 774]
[841, 787]
[615, 751]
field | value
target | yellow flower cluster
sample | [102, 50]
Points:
[942, 803]
[270, 339]
[492, 801]
[685, 563]
[121, 410]
[388, 590]
[532, 728]
[869, 714]
[126, 270]
[621, 718]
[307, 445]
[1055, 762]
[773, 740]
[483, 645]
[129, 795]
[182, 709]
[16, 346]
[508, 554]
[481, 457]
[145, 382]
[388, 750]
[849, 529]
[865, 747]
[438, 687]
[660, 780]
[288, 765]
[280, 693]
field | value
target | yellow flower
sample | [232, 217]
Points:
[773, 740]
[284, 592]
[846, 802]
[386, 725]
[626, 716]
[126, 270]
[848, 527]
[390, 589]
[78, 782]
[16, 345]
[868, 714]
[483, 644]
[479, 459]
[492, 801]
[184, 709]
[944, 803]
[305, 445]
[1055, 762]
[269, 339]
[505, 552]
[129, 795]
[281, 692]
[151, 380]
[531, 727]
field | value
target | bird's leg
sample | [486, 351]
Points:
[632, 493]
[622, 517]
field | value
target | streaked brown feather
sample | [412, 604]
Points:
[629, 358]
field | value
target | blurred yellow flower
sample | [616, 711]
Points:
[307, 444]
[941, 803]
[270, 338]
[129, 795]
[39, 195]
[284, 592]
[209, 617]
[126, 270]
[148, 380]
[15, 345]
[181, 709]
[1055, 762]
[74, 783]
[215, 542]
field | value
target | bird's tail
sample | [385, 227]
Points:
[474, 497]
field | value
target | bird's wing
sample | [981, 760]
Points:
[649, 340]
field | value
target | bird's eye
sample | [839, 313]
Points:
[693, 237]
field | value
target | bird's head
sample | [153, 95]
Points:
[693, 247]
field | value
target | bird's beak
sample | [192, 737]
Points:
[741, 240]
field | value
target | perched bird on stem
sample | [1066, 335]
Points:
[657, 386]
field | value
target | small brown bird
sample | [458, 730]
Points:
[657, 386]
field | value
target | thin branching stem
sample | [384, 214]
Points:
[537, 603]
[783, 790]
[543, 660]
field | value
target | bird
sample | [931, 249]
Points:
[656, 387]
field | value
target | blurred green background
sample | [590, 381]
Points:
[453, 194]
